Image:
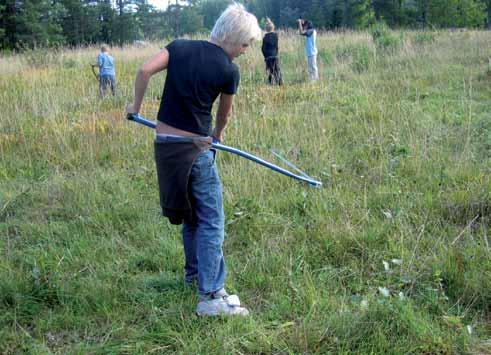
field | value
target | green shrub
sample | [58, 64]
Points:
[291, 59]
[325, 56]
[42, 58]
[424, 38]
[359, 54]
[70, 63]
[383, 37]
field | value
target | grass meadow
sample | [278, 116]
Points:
[391, 256]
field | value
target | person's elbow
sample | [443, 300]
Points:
[144, 72]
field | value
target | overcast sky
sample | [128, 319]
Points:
[159, 4]
[162, 4]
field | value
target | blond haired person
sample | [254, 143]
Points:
[107, 73]
[270, 53]
[198, 72]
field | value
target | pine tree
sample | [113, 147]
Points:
[38, 23]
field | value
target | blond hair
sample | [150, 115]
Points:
[269, 25]
[236, 26]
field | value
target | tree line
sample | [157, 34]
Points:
[39, 23]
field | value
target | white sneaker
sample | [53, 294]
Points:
[223, 305]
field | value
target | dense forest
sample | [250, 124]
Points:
[39, 23]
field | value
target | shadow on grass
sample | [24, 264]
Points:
[165, 283]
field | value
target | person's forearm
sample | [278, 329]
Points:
[223, 115]
[221, 123]
[141, 83]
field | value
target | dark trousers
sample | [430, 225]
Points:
[274, 71]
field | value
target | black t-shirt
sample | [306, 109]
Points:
[198, 71]
[270, 45]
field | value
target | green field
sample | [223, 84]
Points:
[391, 256]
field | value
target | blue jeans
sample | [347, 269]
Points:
[105, 81]
[203, 238]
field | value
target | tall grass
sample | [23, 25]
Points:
[391, 256]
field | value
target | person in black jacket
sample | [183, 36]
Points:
[270, 53]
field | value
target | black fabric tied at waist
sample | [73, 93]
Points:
[174, 157]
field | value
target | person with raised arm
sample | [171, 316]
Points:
[306, 28]
[270, 53]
